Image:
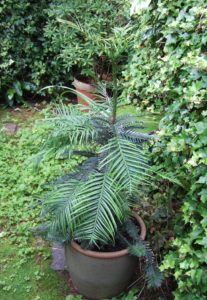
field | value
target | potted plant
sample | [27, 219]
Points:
[91, 210]
[106, 51]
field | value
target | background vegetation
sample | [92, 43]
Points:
[37, 50]
[168, 68]
[165, 70]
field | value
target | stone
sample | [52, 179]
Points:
[10, 128]
[58, 257]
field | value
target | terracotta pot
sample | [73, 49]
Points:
[86, 89]
[100, 275]
[106, 77]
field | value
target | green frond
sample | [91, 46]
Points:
[99, 206]
[75, 25]
[59, 204]
[126, 162]
[137, 250]
[140, 248]
[69, 131]
[94, 107]
[81, 173]
[131, 135]
[128, 120]
[153, 275]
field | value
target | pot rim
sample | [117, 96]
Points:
[114, 254]
[83, 86]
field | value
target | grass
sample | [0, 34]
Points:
[149, 120]
[25, 272]
[32, 280]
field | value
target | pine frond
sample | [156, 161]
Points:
[70, 129]
[141, 248]
[128, 120]
[95, 107]
[132, 230]
[126, 162]
[82, 172]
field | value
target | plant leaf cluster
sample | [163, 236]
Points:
[89, 207]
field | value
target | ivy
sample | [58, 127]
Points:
[167, 70]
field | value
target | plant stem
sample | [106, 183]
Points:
[115, 91]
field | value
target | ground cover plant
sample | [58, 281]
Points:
[32, 276]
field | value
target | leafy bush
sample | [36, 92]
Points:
[21, 37]
[168, 68]
[37, 50]
[168, 52]
[73, 51]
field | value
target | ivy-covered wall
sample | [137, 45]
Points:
[168, 69]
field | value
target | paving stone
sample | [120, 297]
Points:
[10, 128]
[58, 257]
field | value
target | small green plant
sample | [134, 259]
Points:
[72, 297]
[15, 94]
[131, 295]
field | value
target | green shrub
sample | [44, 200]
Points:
[37, 50]
[168, 52]
[168, 68]
[22, 54]
[73, 51]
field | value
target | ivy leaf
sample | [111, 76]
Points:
[203, 195]
[202, 242]
[202, 179]
[201, 127]
[139, 5]
[18, 88]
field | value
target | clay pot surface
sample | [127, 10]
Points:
[100, 275]
[85, 89]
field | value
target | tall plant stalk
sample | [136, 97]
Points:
[115, 90]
